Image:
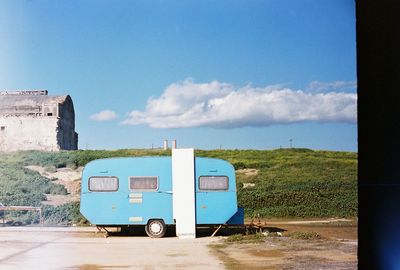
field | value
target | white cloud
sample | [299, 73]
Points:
[105, 115]
[342, 86]
[222, 105]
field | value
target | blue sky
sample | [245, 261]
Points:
[230, 74]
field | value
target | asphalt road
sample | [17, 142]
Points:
[83, 249]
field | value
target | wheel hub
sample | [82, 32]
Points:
[155, 228]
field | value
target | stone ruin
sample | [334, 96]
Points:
[33, 120]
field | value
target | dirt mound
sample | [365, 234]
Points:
[69, 178]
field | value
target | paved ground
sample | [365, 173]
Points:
[82, 248]
[70, 248]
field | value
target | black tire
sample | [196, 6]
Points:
[156, 228]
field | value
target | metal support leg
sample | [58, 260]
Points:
[215, 232]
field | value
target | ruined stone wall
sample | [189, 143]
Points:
[36, 122]
[66, 136]
[28, 133]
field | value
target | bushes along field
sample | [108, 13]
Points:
[271, 183]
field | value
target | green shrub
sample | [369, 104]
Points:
[20, 186]
[305, 235]
[50, 169]
[63, 214]
[234, 238]
[58, 189]
[250, 238]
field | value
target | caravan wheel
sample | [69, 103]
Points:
[156, 228]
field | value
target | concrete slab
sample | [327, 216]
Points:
[82, 248]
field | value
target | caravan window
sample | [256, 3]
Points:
[103, 183]
[213, 183]
[143, 183]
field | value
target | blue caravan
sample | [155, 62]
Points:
[139, 191]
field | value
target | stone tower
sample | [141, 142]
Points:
[33, 120]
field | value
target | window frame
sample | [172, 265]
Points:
[143, 190]
[213, 190]
[115, 177]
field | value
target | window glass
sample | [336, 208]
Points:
[99, 183]
[143, 182]
[213, 182]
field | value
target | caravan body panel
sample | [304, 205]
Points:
[131, 191]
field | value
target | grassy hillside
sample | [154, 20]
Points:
[295, 182]
[275, 183]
